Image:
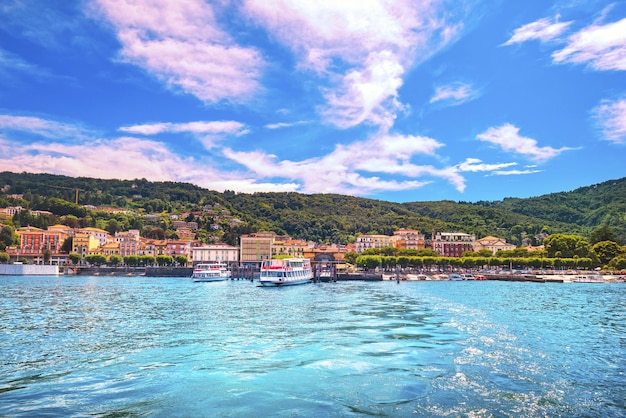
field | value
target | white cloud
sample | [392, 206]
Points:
[610, 118]
[199, 127]
[507, 137]
[357, 168]
[360, 50]
[42, 127]
[515, 172]
[475, 165]
[602, 47]
[382, 163]
[543, 29]
[181, 44]
[454, 94]
[281, 125]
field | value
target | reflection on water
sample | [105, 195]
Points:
[170, 347]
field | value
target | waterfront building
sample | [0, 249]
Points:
[128, 241]
[33, 244]
[176, 248]
[109, 249]
[100, 234]
[493, 244]
[62, 229]
[84, 244]
[256, 247]
[409, 239]
[218, 252]
[289, 247]
[367, 241]
[33, 241]
[152, 247]
[452, 244]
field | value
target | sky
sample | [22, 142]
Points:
[398, 100]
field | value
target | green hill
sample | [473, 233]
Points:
[318, 217]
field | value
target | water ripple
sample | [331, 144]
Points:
[138, 346]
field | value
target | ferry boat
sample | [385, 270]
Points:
[285, 272]
[588, 278]
[210, 272]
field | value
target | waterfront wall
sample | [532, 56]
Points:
[169, 271]
[29, 270]
[368, 277]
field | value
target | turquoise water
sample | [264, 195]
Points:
[168, 347]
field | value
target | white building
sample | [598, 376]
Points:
[367, 241]
[215, 252]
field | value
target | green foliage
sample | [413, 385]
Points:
[605, 251]
[7, 237]
[321, 217]
[164, 260]
[67, 245]
[604, 233]
[181, 260]
[4, 258]
[75, 258]
[350, 257]
[147, 260]
[114, 260]
[131, 260]
[618, 263]
[562, 245]
[593, 206]
[96, 259]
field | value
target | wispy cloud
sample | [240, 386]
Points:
[515, 172]
[543, 29]
[454, 94]
[475, 165]
[181, 44]
[610, 118]
[12, 65]
[360, 168]
[281, 125]
[198, 127]
[74, 151]
[382, 163]
[359, 50]
[42, 127]
[508, 138]
[602, 47]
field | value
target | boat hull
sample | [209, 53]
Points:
[209, 279]
[275, 283]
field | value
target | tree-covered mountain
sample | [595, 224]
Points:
[320, 217]
[602, 204]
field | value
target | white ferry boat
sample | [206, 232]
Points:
[285, 272]
[588, 278]
[210, 272]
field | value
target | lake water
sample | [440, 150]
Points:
[168, 347]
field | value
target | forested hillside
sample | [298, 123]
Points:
[322, 217]
[602, 204]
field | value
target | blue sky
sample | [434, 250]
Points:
[397, 100]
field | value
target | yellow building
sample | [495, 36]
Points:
[110, 248]
[84, 244]
[290, 247]
[367, 241]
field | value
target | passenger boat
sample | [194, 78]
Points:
[285, 272]
[588, 278]
[210, 272]
[326, 275]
